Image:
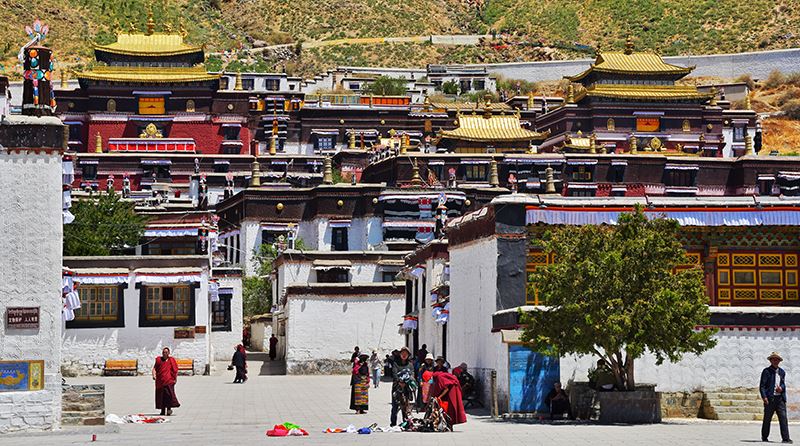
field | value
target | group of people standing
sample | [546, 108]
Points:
[421, 381]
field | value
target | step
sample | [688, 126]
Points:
[733, 396]
[740, 417]
[734, 403]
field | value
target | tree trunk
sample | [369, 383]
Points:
[631, 383]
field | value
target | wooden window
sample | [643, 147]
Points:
[791, 278]
[581, 173]
[475, 172]
[744, 277]
[723, 277]
[333, 275]
[221, 313]
[339, 239]
[151, 105]
[168, 303]
[723, 259]
[323, 142]
[98, 303]
[535, 260]
[770, 278]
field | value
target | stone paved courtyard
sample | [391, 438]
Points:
[216, 412]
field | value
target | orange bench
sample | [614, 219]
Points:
[185, 365]
[117, 366]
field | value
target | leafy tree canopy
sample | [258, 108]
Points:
[103, 226]
[614, 292]
[386, 86]
[257, 288]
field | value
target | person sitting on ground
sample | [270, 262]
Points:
[605, 377]
[558, 402]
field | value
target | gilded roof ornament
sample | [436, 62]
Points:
[132, 28]
[151, 25]
[181, 30]
[168, 28]
[629, 47]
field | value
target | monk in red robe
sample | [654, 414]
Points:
[446, 388]
[165, 374]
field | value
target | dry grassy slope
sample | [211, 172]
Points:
[672, 26]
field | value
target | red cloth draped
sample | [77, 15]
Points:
[455, 405]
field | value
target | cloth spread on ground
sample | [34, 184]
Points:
[286, 430]
[364, 430]
[135, 419]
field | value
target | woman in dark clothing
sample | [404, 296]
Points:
[359, 391]
[404, 386]
[441, 365]
[240, 362]
[558, 402]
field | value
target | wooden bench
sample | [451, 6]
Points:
[185, 365]
[117, 366]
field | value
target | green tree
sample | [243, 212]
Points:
[614, 292]
[103, 226]
[386, 86]
[450, 87]
[257, 288]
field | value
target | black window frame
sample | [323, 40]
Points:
[329, 139]
[75, 132]
[616, 173]
[231, 132]
[144, 322]
[339, 239]
[224, 300]
[391, 275]
[680, 177]
[89, 172]
[272, 84]
[739, 133]
[248, 83]
[476, 172]
[117, 323]
[339, 275]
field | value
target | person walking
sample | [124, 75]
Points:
[273, 347]
[165, 374]
[773, 393]
[239, 361]
[375, 364]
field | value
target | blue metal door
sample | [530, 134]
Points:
[530, 378]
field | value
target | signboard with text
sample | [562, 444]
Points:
[22, 317]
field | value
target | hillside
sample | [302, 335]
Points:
[571, 27]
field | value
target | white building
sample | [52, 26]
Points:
[134, 306]
[30, 271]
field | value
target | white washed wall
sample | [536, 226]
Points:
[473, 290]
[222, 342]
[85, 350]
[30, 275]
[328, 327]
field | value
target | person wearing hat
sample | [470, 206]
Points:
[773, 392]
[441, 365]
[402, 371]
[359, 392]
[424, 377]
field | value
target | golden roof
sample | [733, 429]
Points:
[641, 63]
[156, 44]
[488, 127]
[642, 92]
[148, 74]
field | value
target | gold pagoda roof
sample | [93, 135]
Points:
[490, 127]
[637, 63]
[155, 44]
[643, 92]
[148, 74]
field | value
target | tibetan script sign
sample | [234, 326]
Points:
[200, 329]
[184, 333]
[20, 376]
[22, 317]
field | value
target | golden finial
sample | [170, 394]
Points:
[530, 100]
[416, 180]
[327, 171]
[273, 145]
[255, 173]
[352, 141]
[181, 30]
[132, 27]
[634, 143]
[713, 101]
[168, 28]
[238, 85]
[629, 45]
[593, 143]
[151, 25]
[570, 94]
[494, 176]
[64, 79]
[747, 104]
[748, 144]
[98, 143]
[550, 187]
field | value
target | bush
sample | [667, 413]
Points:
[747, 79]
[792, 109]
[787, 96]
[450, 87]
[775, 79]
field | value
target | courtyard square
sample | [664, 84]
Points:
[215, 411]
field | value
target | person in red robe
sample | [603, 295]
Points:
[446, 388]
[165, 374]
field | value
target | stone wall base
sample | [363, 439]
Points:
[318, 367]
[682, 404]
[83, 405]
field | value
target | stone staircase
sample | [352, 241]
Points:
[739, 404]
